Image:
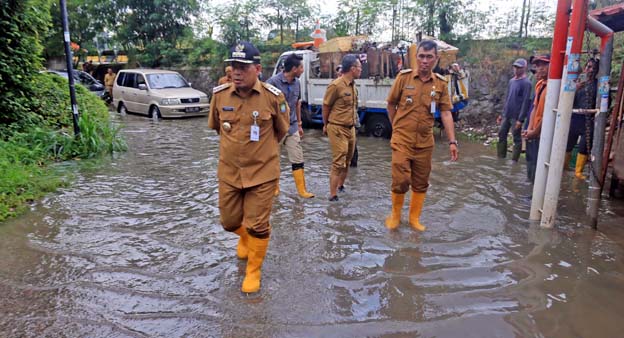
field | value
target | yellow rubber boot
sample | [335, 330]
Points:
[242, 249]
[257, 251]
[300, 183]
[566, 160]
[580, 164]
[393, 221]
[416, 205]
[277, 189]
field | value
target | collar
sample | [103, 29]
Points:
[257, 87]
[431, 76]
[346, 82]
[282, 78]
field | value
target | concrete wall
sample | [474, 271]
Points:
[200, 78]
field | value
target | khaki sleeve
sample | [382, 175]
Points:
[281, 119]
[331, 94]
[445, 100]
[394, 96]
[213, 115]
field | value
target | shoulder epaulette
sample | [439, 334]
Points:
[272, 88]
[405, 71]
[441, 77]
[221, 87]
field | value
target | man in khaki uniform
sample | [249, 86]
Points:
[251, 117]
[228, 76]
[109, 81]
[411, 104]
[339, 114]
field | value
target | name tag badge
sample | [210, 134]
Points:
[433, 103]
[254, 134]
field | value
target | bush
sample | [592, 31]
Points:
[21, 23]
[25, 154]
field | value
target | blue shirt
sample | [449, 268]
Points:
[292, 92]
[518, 99]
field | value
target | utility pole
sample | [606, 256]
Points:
[70, 68]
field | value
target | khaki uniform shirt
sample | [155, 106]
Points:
[412, 127]
[244, 163]
[341, 96]
[109, 80]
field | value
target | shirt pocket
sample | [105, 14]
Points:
[265, 121]
[347, 98]
[427, 98]
[424, 128]
[408, 98]
[228, 116]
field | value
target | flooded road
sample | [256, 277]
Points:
[134, 248]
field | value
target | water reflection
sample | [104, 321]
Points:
[134, 248]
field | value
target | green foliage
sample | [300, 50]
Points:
[83, 27]
[25, 158]
[21, 23]
[153, 27]
[23, 179]
[25, 153]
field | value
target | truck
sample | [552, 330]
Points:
[372, 90]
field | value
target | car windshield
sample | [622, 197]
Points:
[167, 80]
[84, 78]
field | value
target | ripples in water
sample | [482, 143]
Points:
[134, 248]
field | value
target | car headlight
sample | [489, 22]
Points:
[203, 99]
[170, 101]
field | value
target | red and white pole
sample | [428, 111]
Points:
[553, 86]
[572, 68]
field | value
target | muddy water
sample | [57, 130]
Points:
[134, 249]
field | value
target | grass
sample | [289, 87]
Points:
[26, 154]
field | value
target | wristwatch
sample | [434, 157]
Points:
[454, 142]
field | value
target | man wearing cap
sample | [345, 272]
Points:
[288, 82]
[515, 110]
[250, 117]
[339, 114]
[532, 134]
[228, 76]
[412, 102]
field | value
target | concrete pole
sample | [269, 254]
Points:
[596, 179]
[70, 69]
[552, 98]
[564, 113]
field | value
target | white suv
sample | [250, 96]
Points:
[159, 93]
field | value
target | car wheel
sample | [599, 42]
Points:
[122, 109]
[154, 112]
[378, 125]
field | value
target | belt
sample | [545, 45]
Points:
[342, 125]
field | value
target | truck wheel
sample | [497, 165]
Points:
[378, 125]
[305, 116]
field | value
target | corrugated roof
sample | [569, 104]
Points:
[612, 16]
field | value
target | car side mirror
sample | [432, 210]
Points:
[142, 86]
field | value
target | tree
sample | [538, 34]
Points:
[357, 17]
[287, 13]
[21, 24]
[239, 22]
[151, 26]
[449, 19]
[83, 27]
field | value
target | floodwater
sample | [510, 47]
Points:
[134, 248]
